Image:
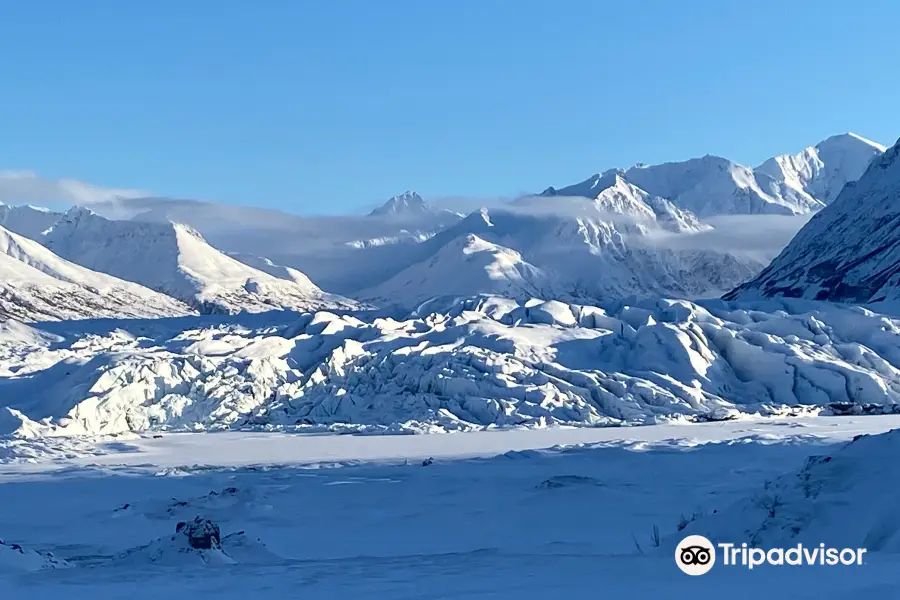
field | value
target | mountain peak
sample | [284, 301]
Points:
[78, 212]
[850, 138]
[406, 203]
[850, 251]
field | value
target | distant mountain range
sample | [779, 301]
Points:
[711, 185]
[616, 234]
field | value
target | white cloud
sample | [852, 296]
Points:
[27, 187]
[761, 237]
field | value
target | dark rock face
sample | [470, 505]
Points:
[202, 534]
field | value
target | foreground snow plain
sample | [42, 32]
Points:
[497, 514]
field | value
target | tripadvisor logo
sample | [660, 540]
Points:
[696, 555]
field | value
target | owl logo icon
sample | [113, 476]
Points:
[695, 555]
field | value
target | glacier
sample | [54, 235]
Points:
[453, 364]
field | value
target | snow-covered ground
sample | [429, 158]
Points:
[503, 514]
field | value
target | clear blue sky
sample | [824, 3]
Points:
[330, 105]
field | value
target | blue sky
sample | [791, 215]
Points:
[325, 107]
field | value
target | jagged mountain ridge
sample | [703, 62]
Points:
[30, 221]
[611, 195]
[582, 250]
[823, 170]
[848, 252]
[176, 260]
[712, 185]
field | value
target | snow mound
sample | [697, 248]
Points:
[16, 558]
[198, 542]
[37, 285]
[463, 364]
[846, 498]
[850, 251]
[174, 259]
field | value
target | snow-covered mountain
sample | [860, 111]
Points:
[848, 252]
[612, 196]
[783, 185]
[407, 203]
[341, 254]
[37, 285]
[823, 170]
[465, 265]
[30, 221]
[567, 248]
[267, 266]
[176, 260]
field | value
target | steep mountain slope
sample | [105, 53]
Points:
[37, 285]
[176, 260]
[29, 221]
[783, 185]
[850, 251]
[614, 196]
[567, 248]
[267, 266]
[822, 170]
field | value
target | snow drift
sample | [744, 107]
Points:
[15, 558]
[197, 542]
[846, 498]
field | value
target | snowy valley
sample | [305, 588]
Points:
[418, 401]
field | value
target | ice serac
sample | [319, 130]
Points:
[175, 259]
[850, 251]
[452, 364]
[37, 285]
[823, 170]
